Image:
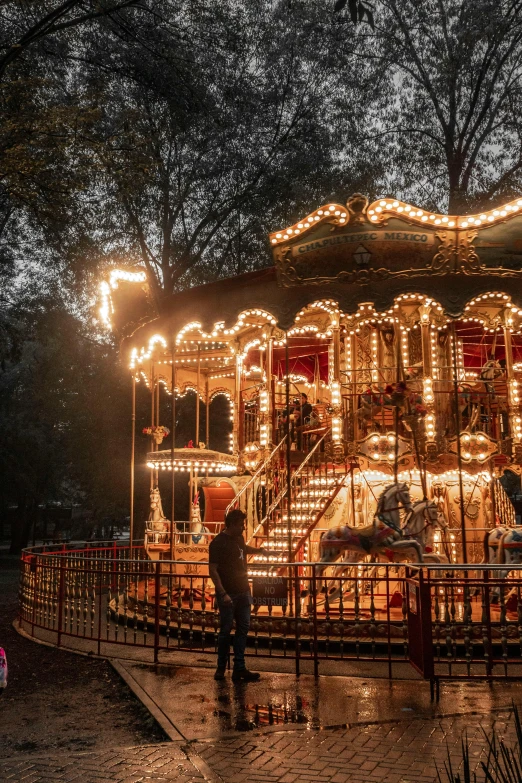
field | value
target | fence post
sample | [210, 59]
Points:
[297, 609]
[316, 659]
[60, 600]
[156, 609]
[488, 647]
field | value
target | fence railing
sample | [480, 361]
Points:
[98, 600]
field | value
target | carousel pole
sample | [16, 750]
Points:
[198, 381]
[269, 370]
[207, 413]
[459, 449]
[153, 442]
[173, 445]
[353, 394]
[236, 426]
[288, 460]
[396, 411]
[132, 471]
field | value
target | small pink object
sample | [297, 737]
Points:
[3, 669]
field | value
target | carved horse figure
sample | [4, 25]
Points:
[198, 532]
[383, 534]
[502, 546]
[424, 519]
[157, 527]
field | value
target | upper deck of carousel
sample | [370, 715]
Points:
[342, 256]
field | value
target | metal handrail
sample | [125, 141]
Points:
[283, 492]
[310, 455]
[252, 479]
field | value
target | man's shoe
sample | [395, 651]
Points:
[243, 675]
[219, 674]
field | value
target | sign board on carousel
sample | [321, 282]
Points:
[270, 591]
[389, 239]
[195, 566]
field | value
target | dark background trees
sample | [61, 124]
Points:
[174, 135]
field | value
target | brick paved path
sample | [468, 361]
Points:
[405, 751]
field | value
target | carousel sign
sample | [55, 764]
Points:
[358, 243]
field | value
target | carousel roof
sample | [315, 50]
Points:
[342, 256]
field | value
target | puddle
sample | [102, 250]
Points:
[202, 708]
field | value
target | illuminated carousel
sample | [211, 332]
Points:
[382, 349]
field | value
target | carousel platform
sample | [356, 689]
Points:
[368, 622]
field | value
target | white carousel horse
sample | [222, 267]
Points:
[502, 546]
[158, 525]
[425, 516]
[491, 370]
[420, 525]
[383, 534]
[198, 533]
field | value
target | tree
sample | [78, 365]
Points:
[232, 137]
[64, 414]
[451, 127]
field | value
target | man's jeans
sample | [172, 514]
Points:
[238, 610]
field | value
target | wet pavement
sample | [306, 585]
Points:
[200, 708]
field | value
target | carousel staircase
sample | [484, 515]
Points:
[294, 509]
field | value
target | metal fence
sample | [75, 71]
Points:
[447, 621]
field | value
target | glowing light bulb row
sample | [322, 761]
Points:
[429, 423]
[380, 209]
[434, 353]
[334, 212]
[131, 277]
[428, 391]
[182, 465]
[405, 347]
[517, 428]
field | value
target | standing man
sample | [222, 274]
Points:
[228, 571]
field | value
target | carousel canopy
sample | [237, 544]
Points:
[343, 255]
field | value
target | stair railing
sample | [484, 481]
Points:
[246, 499]
[310, 470]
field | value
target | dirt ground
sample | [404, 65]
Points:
[57, 700]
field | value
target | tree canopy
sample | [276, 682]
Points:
[174, 136]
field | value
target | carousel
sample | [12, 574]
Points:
[372, 373]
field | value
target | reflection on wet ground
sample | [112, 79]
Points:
[201, 708]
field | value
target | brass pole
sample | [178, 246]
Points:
[173, 446]
[152, 472]
[269, 365]
[398, 357]
[198, 380]
[288, 473]
[133, 452]
[288, 448]
[353, 378]
[207, 412]
[157, 402]
[459, 450]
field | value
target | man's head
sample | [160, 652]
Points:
[304, 398]
[235, 522]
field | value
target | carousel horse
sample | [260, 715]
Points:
[158, 525]
[502, 546]
[383, 534]
[198, 533]
[420, 525]
[425, 516]
[491, 370]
